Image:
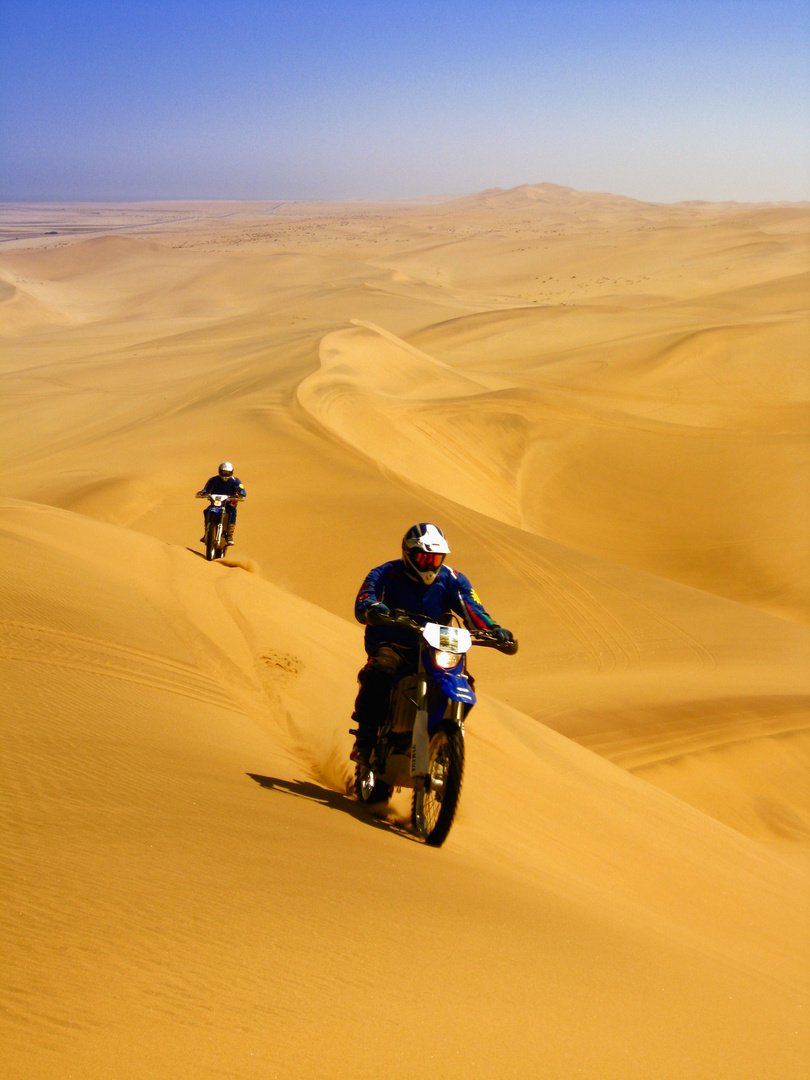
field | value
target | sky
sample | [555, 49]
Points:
[240, 99]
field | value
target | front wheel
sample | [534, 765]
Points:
[434, 807]
[211, 540]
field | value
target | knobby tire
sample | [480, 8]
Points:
[441, 796]
[211, 540]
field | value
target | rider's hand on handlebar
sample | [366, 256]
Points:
[378, 615]
[502, 635]
[404, 618]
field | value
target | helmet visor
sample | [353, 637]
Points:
[427, 560]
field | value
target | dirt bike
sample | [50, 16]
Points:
[216, 530]
[421, 743]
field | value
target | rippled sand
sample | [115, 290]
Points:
[604, 405]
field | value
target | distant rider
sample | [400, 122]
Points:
[419, 583]
[225, 483]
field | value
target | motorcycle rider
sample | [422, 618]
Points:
[225, 483]
[419, 583]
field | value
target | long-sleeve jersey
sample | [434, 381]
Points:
[390, 584]
[230, 485]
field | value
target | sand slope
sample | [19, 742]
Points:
[163, 880]
[604, 404]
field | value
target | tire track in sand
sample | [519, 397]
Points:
[34, 643]
[573, 596]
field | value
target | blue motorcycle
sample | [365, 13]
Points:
[421, 743]
[216, 531]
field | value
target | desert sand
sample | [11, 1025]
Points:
[604, 404]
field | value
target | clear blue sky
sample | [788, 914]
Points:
[244, 99]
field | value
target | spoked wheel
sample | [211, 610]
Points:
[434, 807]
[368, 787]
[211, 540]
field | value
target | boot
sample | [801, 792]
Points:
[369, 711]
[229, 540]
[363, 745]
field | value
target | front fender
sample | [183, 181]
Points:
[454, 686]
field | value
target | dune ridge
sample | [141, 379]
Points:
[604, 403]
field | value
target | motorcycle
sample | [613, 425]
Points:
[216, 524]
[420, 745]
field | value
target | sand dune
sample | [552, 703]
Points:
[604, 403]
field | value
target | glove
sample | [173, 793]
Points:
[378, 615]
[502, 635]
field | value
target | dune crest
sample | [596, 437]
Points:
[407, 411]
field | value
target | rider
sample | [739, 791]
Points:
[225, 483]
[419, 583]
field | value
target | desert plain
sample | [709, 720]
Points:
[604, 404]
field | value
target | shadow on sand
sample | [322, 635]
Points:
[379, 817]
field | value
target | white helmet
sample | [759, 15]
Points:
[226, 470]
[423, 550]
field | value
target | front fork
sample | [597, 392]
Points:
[420, 744]
[219, 524]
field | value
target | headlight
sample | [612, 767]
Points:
[448, 660]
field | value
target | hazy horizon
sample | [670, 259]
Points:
[664, 102]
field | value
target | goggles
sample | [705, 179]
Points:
[427, 560]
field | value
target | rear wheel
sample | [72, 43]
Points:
[434, 807]
[368, 787]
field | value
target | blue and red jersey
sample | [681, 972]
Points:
[229, 485]
[450, 594]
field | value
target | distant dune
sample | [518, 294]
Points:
[604, 403]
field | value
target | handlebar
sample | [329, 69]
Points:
[489, 641]
[405, 618]
[411, 621]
